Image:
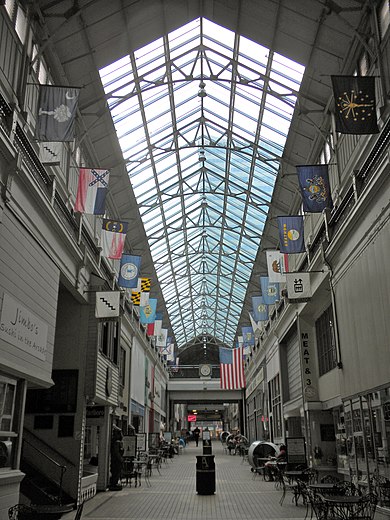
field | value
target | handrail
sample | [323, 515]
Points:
[42, 441]
[62, 467]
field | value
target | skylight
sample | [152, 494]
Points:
[202, 116]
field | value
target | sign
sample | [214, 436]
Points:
[296, 450]
[95, 412]
[191, 418]
[107, 304]
[23, 329]
[141, 441]
[298, 285]
[129, 446]
[309, 371]
[153, 440]
[168, 436]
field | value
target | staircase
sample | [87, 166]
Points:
[39, 489]
[43, 483]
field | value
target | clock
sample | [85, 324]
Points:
[205, 370]
[310, 392]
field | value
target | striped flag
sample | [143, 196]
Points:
[92, 190]
[232, 368]
[135, 298]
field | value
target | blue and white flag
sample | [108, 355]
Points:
[260, 309]
[315, 188]
[129, 271]
[291, 234]
[269, 290]
[147, 313]
[248, 336]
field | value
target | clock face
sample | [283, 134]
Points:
[310, 392]
[129, 271]
[205, 370]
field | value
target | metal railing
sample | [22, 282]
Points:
[62, 468]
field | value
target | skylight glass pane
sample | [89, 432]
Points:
[204, 165]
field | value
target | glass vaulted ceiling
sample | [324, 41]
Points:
[202, 115]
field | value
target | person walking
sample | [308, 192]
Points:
[196, 435]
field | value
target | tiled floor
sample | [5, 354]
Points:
[172, 494]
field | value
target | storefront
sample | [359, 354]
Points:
[362, 441]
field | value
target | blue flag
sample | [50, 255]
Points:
[248, 336]
[315, 188]
[260, 309]
[129, 271]
[355, 104]
[147, 314]
[291, 237]
[269, 290]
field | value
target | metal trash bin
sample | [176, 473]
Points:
[205, 474]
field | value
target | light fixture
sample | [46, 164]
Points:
[202, 92]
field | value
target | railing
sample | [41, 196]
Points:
[191, 371]
[61, 467]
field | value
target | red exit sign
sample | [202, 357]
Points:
[191, 418]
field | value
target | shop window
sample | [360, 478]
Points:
[326, 345]
[21, 24]
[276, 407]
[59, 398]
[109, 339]
[10, 7]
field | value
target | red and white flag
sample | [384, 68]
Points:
[113, 238]
[92, 190]
[277, 264]
[232, 368]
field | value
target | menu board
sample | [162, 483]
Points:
[129, 446]
[296, 450]
[141, 441]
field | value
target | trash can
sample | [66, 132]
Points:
[205, 474]
[207, 449]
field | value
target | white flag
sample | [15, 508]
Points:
[277, 264]
[144, 299]
[161, 339]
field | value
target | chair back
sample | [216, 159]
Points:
[318, 505]
[348, 488]
[366, 507]
[329, 479]
[310, 476]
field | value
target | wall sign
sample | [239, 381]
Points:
[22, 328]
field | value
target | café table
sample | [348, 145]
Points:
[325, 488]
[295, 474]
[342, 507]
